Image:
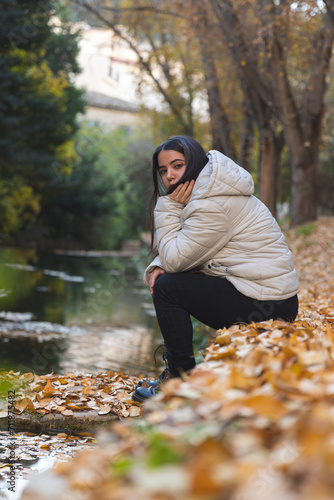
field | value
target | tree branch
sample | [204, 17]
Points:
[155, 10]
[313, 101]
[163, 64]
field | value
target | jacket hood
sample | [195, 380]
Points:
[221, 176]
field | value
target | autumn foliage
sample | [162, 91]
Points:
[104, 393]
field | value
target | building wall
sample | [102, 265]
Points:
[112, 118]
[108, 65]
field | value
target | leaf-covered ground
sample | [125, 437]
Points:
[65, 403]
[254, 421]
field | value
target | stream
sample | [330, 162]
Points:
[84, 314]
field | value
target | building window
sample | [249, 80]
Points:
[114, 74]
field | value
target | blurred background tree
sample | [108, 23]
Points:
[39, 105]
[104, 201]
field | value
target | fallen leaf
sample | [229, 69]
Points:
[123, 396]
[48, 389]
[67, 413]
[24, 404]
[104, 410]
[134, 411]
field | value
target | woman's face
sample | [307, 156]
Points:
[172, 166]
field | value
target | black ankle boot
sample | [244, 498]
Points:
[141, 393]
[163, 377]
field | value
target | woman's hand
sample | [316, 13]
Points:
[183, 192]
[158, 271]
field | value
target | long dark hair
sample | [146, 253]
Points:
[195, 159]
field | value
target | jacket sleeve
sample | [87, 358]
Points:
[155, 263]
[187, 237]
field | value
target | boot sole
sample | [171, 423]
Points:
[137, 399]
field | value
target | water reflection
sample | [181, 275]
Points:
[103, 296]
[107, 348]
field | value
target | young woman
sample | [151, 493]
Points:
[220, 255]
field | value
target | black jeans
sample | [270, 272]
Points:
[213, 301]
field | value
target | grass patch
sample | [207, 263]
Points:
[305, 230]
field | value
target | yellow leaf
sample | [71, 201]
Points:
[224, 338]
[87, 391]
[45, 446]
[266, 406]
[48, 389]
[220, 353]
[24, 404]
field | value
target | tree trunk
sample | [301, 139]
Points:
[267, 170]
[330, 10]
[303, 166]
[247, 137]
[303, 187]
[219, 124]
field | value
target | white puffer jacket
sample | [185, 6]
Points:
[225, 231]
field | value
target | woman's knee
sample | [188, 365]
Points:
[160, 284]
[166, 283]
